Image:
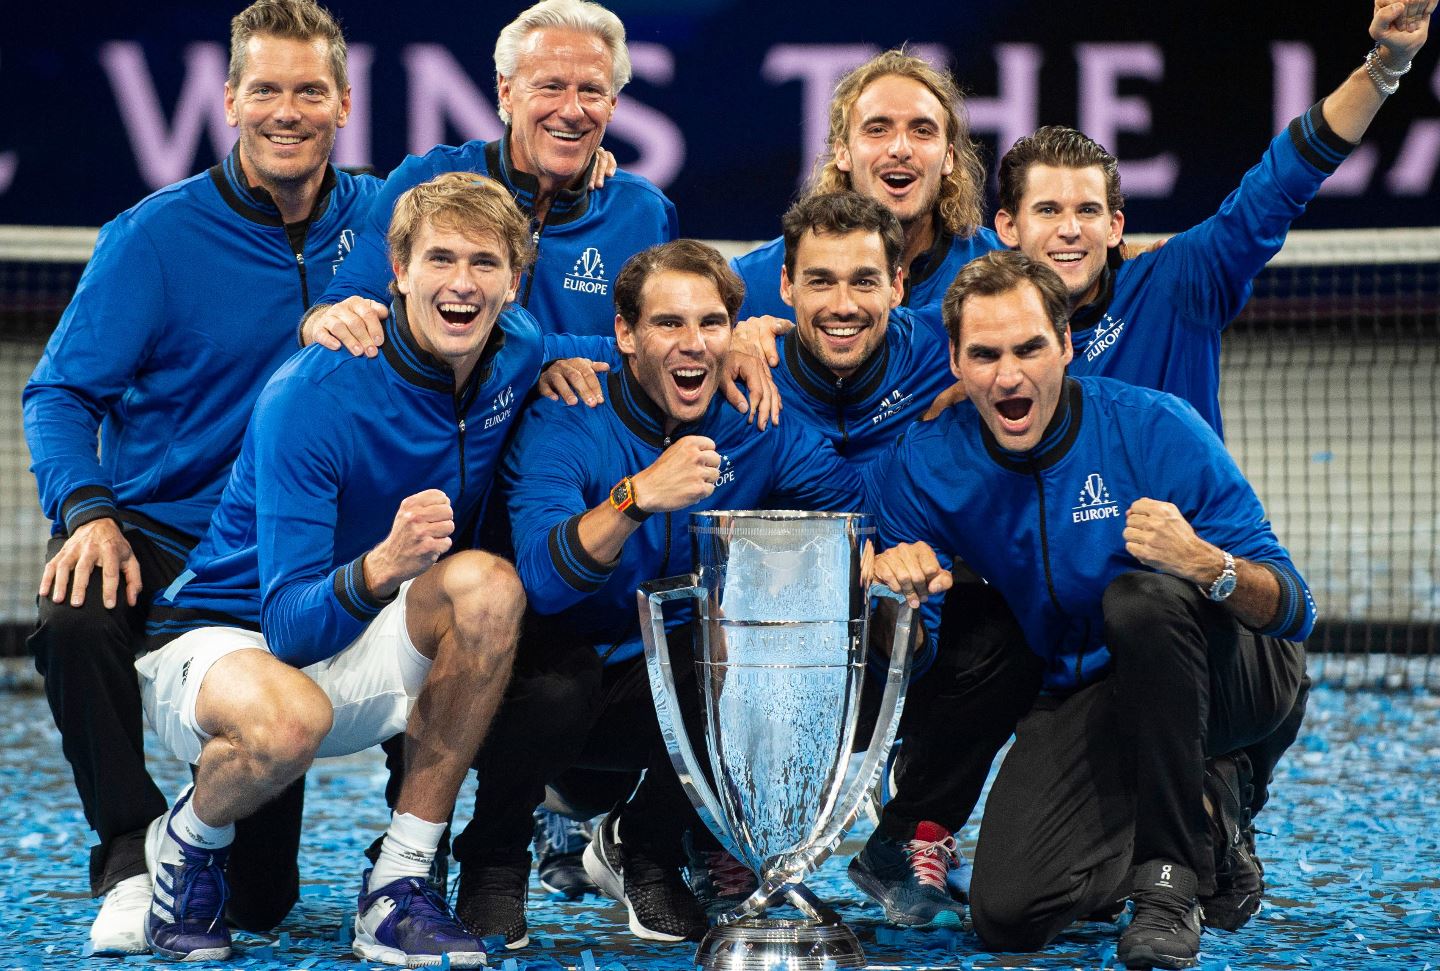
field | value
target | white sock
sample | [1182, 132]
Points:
[195, 831]
[408, 849]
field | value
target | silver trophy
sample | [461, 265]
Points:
[782, 626]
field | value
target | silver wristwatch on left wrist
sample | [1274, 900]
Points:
[1224, 584]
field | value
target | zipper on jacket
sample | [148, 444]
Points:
[840, 416]
[304, 284]
[460, 437]
[1045, 558]
[530, 276]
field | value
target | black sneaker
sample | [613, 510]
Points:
[1239, 874]
[491, 901]
[1164, 930]
[559, 847]
[660, 903]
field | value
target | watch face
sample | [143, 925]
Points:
[620, 494]
[1224, 587]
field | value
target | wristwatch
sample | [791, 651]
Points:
[1224, 584]
[622, 497]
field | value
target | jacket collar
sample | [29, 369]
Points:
[642, 416]
[254, 202]
[1087, 316]
[818, 381]
[925, 264]
[423, 369]
[1054, 444]
[568, 205]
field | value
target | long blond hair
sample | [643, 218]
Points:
[960, 202]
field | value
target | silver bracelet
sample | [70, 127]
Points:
[1386, 81]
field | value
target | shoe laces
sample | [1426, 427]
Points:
[728, 876]
[932, 860]
[562, 834]
[1160, 910]
[201, 886]
[421, 902]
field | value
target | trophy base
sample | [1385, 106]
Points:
[758, 944]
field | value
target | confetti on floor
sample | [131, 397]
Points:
[1351, 843]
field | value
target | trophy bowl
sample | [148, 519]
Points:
[782, 628]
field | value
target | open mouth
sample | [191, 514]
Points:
[898, 180]
[1014, 410]
[689, 380]
[565, 136]
[285, 140]
[1066, 258]
[458, 314]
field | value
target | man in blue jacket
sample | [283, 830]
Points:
[597, 500]
[1156, 321]
[1139, 563]
[188, 305]
[316, 618]
[898, 135]
[559, 66]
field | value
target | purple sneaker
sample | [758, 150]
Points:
[407, 923]
[186, 921]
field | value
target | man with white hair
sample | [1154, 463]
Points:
[559, 68]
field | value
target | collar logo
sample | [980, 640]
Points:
[727, 471]
[501, 407]
[1107, 332]
[342, 249]
[889, 405]
[1094, 501]
[588, 274]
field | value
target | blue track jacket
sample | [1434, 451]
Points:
[1158, 320]
[565, 461]
[1045, 526]
[335, 444]
[187, 307]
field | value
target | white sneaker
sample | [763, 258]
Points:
[119, 928]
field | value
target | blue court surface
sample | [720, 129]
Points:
[1351, 843]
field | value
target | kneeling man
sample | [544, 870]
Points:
[1142, 569]
[598, 500]
[317, 618]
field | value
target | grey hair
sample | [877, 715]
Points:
[581, 15]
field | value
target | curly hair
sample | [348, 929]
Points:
[962, 192]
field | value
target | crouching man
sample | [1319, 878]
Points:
[1145, 576]
[317, 618]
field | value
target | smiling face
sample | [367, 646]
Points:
[842, 293]
[1012, 363]
[288, 107]
[455, 285]
[678, 344]
[1063, 222]
[560, 98]
[897, 150]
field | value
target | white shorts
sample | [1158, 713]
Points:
[372, 683]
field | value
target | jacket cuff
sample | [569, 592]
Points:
[354, 595]
[87, 504]
[1290, 613]
[576, 567]
[1316, 142]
